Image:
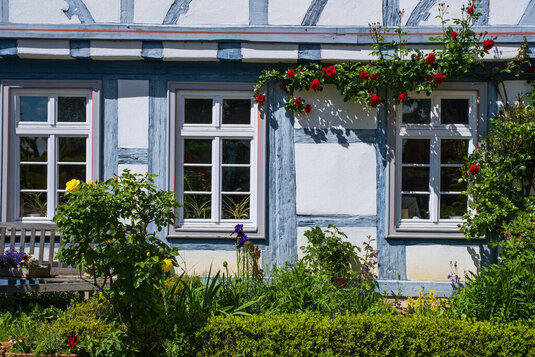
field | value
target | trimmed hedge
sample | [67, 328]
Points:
[360, 335]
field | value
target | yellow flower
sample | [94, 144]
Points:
[168, 265]
[90, 182]
[148, 254]
[115, 179]
[73, 185]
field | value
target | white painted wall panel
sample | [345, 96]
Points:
[335, 53]
[431, 262]
[351, 13]
[330, 111]
[116, 50]
[210, 12]
[335, 179]
[516, 89]
[150, 11]
[105, 11]
[283, 12]
[198, 262]
[505, 12]
[189, 51]
[40, 12]
[133, 113]
[56, 49]
[454, 11]
[265, 52]
[355, 235]
[134, 168]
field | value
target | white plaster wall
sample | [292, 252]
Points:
[198, 262]
[189, 51]
[210, 12]
[351, 12]
[115, 50]
[134, 168]
[265, 52]
[335, 53]
[133, 113]
[40, 12]
[335, 179]
[330, 111]
[105, 11]
[150, 11]
[516, 88]
[454, 11]
[431, 262]
[355, 235]
[56, 49]
[505, 12]
[284, 12]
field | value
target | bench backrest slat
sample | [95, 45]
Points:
[32, 242]
[42, 245]
[2, 239]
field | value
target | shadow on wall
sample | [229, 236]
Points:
[333, 120]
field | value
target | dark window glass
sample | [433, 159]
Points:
[415, 179]
[72, 149]
[236, 111]
[454, 111]
[235, 206]
[72, 109]
[415, 151]
[453, 151]
[236, 179]
[33, 176]
[197, 151]
[236, 151]
[452, 206]
[69, 172]
[415, 206]
[33, 148]
[198, 179]
[198, 111]
[33, 204]
[33, 108]
[197, 206]
[417, 111]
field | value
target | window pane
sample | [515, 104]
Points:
[33, 176]
[197, 151]
[235, 206]
[72, 149]
[198, 111]
[69, 172]
[197, 206]
[449, 179]
[418, 111]
[453, 151]
[236, 151]
[33, 108]
[415, 179]
[452, 206]
[415, 206]
[236, 111]
[415, 151]
[454, 111]
[198, 179]
[33, 204]
[71, 109]
[236, 179]
[33, 148]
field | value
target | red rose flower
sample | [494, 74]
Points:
[430, 58]
[459, 225]
[453, 34]
[329, 71]
[315, 84]
[260, 98]
[290, 73]
[429, 78]
[488, 44]
[363, 75]
[531, 69]
[375, 76]
[474, 169]
[308, 108]
[283, 87]
[298, 102]
[508, 119]
[471, 11]
[375, 100]
[416, 59]
[402, 97]
[72, 342]
[439, 78]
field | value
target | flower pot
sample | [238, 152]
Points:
[26, 273]
[5, 345]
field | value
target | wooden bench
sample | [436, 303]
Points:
[41, 241]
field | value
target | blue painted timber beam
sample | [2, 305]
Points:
[178, 8]
[313, 13]
[78, 8]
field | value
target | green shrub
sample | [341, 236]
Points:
[502, 292]
[360, 335]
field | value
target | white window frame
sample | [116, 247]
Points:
[434, 227]
[215, 227]
[12, 129]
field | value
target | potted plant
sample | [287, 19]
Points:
[17, 263]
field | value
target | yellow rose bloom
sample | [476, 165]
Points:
[73, 185]
[115, 179]
[148, 254]
[168, 265]
[90, 182]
